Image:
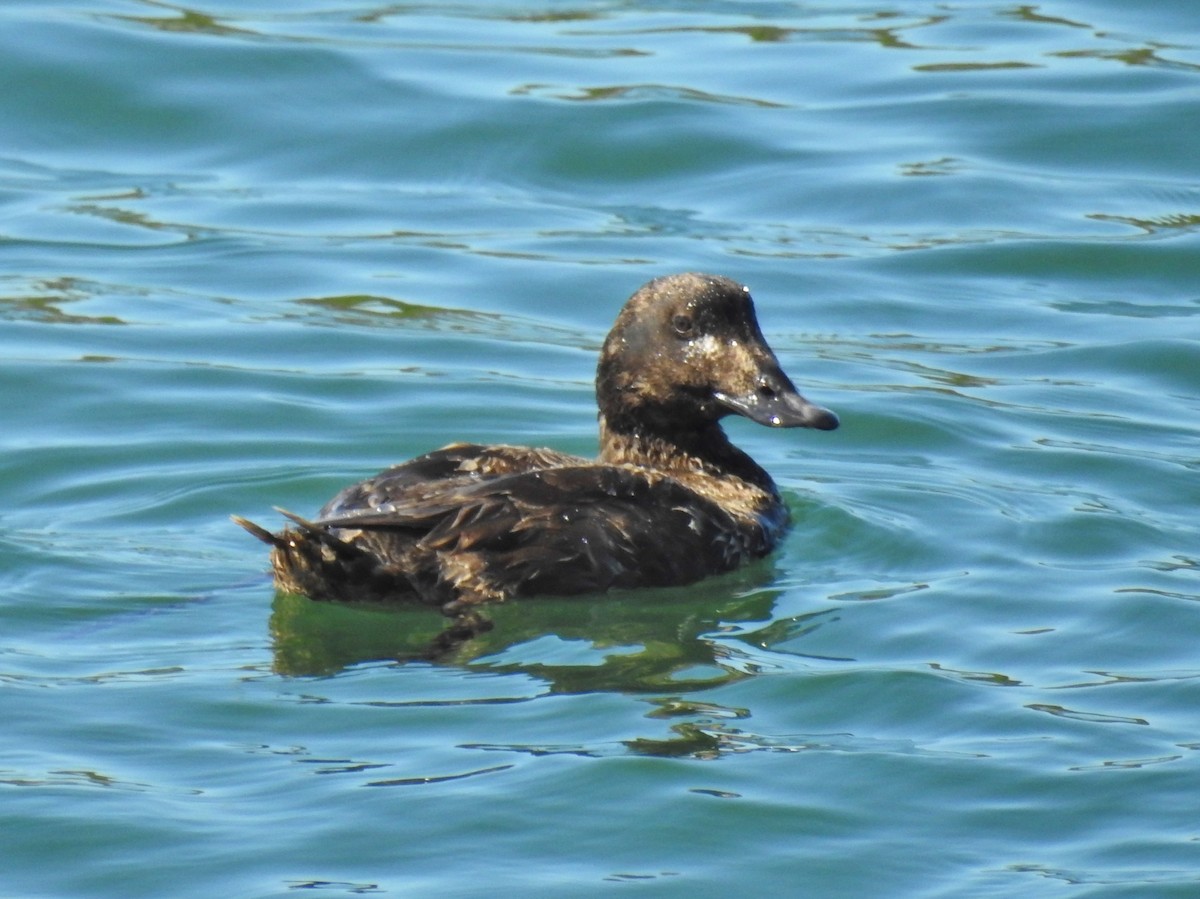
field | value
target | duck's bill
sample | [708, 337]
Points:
[779, 407]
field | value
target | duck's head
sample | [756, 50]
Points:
[685, 352]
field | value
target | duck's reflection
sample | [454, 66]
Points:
[676, 639]
[661, 644]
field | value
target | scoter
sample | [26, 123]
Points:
[668, 501]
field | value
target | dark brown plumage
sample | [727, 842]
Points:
[669, 500]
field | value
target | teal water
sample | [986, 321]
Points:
[250, 252]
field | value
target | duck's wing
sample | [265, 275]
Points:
[368, 542]
[564, 530]
[442, 471]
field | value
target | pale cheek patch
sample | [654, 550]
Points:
[703, 347]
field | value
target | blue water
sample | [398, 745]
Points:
[250, 253]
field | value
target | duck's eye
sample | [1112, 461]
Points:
[683, 325]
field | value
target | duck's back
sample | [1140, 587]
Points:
[442, 472]
[469, 524]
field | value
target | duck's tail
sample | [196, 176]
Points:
[343, 551]
[310, 559]
[258, 531]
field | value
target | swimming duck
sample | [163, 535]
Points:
[668, 501]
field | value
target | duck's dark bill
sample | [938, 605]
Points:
[780, 407]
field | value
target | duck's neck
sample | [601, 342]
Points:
[705, 450]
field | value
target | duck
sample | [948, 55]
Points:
[668, 501]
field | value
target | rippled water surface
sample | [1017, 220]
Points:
[250, 252]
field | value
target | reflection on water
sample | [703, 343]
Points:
[187, 21]
[676, 639]
[666, 642]
[638, 92]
